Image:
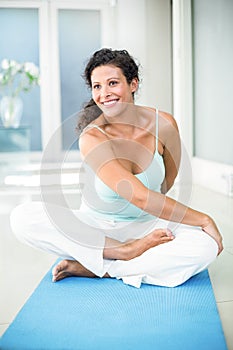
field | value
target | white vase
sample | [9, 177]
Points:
[11, 109]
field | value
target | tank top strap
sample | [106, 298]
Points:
[156, 129]
[91, 126]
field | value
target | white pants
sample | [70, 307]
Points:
[73, 234]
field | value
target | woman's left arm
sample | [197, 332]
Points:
[170, 138]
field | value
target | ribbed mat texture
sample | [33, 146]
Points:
[83, 314]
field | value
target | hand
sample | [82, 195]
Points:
[212, 230]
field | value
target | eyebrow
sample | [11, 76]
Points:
[97, 82]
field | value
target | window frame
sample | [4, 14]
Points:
[50, 95]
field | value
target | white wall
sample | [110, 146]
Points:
[214, 175]
[143, 27]
[159, 54]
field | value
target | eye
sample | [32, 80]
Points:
[113, 82]
[96, 86]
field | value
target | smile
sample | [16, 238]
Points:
[110, 103]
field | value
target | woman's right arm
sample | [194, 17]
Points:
[98, 153]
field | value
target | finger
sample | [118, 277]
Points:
[167, 239]
[167, 232]
[220, 249]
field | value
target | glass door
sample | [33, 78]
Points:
[74, 50]
[212, 29]
[22, 45]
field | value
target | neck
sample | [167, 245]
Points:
[126, 114]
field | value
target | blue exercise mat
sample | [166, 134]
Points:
[83, 314]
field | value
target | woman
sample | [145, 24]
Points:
[126, 227]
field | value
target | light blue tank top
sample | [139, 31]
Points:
[109, 205]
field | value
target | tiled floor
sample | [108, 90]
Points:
[22, 267]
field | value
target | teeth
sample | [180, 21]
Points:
[109, 103]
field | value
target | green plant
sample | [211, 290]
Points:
[16, 77]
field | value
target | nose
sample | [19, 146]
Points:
[105, 92]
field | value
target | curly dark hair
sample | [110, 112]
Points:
[106, 56]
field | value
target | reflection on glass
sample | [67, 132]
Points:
[22, 44]
[79, 37]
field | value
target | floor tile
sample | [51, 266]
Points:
[221, 275]
[3, 328]
[21, 269]
[226, 312]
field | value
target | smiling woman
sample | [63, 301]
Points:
[110, 86]
[121, 70]
[127, 227]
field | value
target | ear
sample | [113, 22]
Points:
[134, 85]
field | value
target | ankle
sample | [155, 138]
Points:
[131, 250]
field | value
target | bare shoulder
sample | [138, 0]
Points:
[167, 120]
[168, 130]
[90, 138]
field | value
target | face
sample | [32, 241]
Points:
[110, 89]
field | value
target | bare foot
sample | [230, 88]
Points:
[153, 239]
[131, 249]
[68, 268]
[114, 250]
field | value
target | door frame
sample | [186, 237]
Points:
[212, 175]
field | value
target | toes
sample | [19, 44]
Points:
[60, 276]
[55, 270]
[168, 239]
[167, 233]
[54, 279]
[65, 268]
[58, 268]
[163, 233]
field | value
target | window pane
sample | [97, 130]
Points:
[213, 79]
[79, 37]
[21, 43]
